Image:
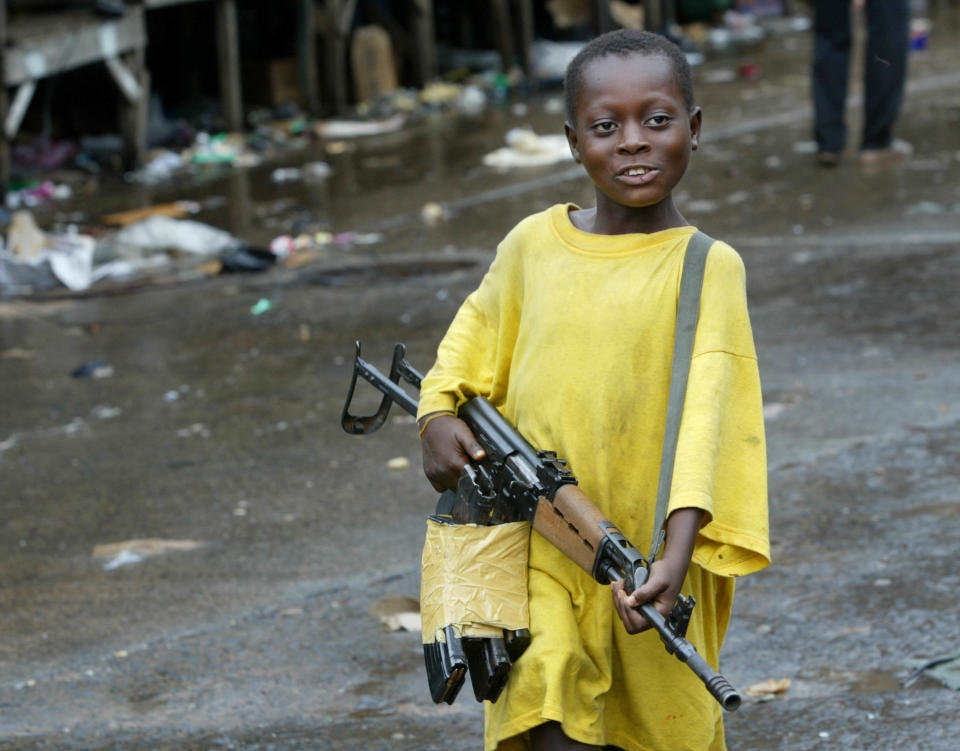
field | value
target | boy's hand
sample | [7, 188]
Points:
[661, 590]
[666, 574]
[448, 445]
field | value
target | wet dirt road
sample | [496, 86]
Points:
[220, 428]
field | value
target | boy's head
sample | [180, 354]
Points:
[632, 121]
[626, 42]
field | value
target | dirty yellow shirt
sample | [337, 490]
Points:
[570, 335]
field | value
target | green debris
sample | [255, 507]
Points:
[261, 306]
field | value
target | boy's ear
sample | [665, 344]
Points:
[573, 141]
[696, 121]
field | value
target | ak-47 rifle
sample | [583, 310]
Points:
[516, 482]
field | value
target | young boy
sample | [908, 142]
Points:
[570, 335]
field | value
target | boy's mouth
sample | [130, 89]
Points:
[636, 174]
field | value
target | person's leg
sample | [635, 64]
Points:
[888, 27]
[831, 67]
[550, 737]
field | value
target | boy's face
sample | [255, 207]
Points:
[633, 133]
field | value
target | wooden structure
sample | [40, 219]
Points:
[34, 46]
[40, 45]
[37, 46]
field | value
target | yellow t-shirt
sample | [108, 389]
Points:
[570, 335]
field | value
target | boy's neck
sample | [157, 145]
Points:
[614, 219]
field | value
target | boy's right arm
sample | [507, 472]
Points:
[448, 445]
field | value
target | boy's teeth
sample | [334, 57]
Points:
[635, 172]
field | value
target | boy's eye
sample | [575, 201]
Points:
[658, 120]
[604, 126]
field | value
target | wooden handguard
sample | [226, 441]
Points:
[573, 524]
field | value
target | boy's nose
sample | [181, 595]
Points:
[632, 139]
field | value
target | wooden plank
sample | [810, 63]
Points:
[4, 143]
[425, 41]
[133, 111]
[307, 54]
[68, 41]
[228, 64]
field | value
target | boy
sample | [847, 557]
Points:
[570, 336]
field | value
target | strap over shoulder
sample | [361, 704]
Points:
[688, 310]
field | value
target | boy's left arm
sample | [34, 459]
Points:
[666, 574]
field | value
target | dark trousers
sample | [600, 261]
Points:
[888, 33]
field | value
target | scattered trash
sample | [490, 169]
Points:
[175, 210]
[286, 245]
[398, 462]
[527, 149]
[358, 128]
[198, 429]
[773, 411]
[944, 669]
[220, 148]
[160, 166]
[286, 175]
[123, 558]
[104, 412]
[93, 369]
[246, 259]
[25, 239]
[397, 613]
[163, 233]
[133, 551]
[261, 306]
[433, 213]
[769, 687]
[316, 171]
[472, 100]
[357, 238]
[17, 353]
[35, 194]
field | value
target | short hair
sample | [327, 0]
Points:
[625, 42]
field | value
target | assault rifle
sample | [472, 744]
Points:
[516, 482]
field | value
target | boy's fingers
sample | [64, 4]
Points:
[643, 594]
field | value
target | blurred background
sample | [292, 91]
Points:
[208, 202]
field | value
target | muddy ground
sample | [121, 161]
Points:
[221, 427]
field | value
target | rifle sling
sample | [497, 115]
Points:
[688, 309]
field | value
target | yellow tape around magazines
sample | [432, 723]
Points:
[474, 578]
